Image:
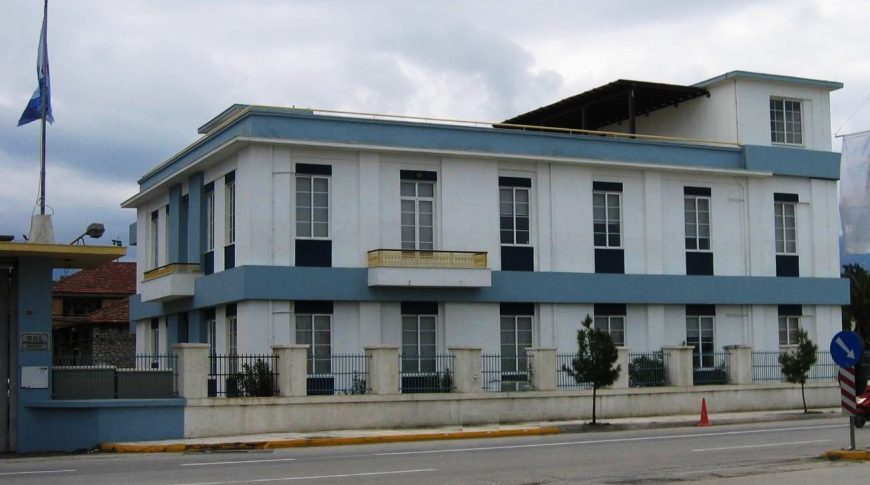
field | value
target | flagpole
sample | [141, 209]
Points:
[42, 143]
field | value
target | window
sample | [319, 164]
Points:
[606, 219]
[697, 222]
[312, 206]
[232, 331]
[155, 337]
[418, 343]
[155, 239]
[314, 330]
[209, 217]
[613, 325]
[81, 306]
[514, 215]
[784, 224]
[230, 210]
[211, 339]
[785, 121]
[516, 337]
[699, 334]
[418, 214]
[788, 329]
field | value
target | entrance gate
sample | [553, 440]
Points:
[8, 355]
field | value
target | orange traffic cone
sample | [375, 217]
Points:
[705, 420]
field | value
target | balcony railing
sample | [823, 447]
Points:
[406, 258]
[171, 268]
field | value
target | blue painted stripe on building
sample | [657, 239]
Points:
[351, 284]
[793, 161]
[272, 124]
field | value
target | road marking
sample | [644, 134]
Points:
[765, 445]
[235, 462]
[35, 472]
[317, 477]
[612, 440]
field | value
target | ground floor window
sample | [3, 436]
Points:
[155, 337]
[610, 319]
[699, 334]
[315, 331]
[516, 337]
[418, 343]
[788, 329]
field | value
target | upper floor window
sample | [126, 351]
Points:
[312, 206]
[155, 239]
[607, 214]
[696, 209]
[209, 217]
[785, 121]
[230, 209]
[418, 210]
[514, 210]
[81, 306]
[784, 225]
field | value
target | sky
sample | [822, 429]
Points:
[132, 80]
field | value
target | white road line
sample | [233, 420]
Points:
[765, 445]
[317, 477]
[612, 440]
[235, 462]
[35, 472]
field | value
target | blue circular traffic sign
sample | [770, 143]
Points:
[846, 348]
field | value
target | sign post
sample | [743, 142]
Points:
[846, 350]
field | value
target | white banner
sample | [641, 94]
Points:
[855, 192]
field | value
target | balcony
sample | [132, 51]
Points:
[169, 282]
[429, 269]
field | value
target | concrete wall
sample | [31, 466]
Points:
[220, 417]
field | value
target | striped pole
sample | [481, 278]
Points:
[847, 391]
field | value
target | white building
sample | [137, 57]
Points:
[272, 228]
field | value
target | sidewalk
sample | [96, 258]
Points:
[373, 436]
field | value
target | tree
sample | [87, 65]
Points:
[593, 364]
[796, 364]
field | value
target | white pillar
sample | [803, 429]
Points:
[679, 365]
[466, 369]
[622, 362]
[192, 370]
[292, 369]
[542, 364]
[739, 364]
[383, 369]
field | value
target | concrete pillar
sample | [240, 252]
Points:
[383, 369]
[466, 369]
[542, 366]
[292, 369]
[622, 362]
[192, 370]
[739, 364]
[679, 365]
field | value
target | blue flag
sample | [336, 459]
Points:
[40, 102]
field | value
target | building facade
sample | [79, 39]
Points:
[340, 231]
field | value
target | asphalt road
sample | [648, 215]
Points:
[783, 451]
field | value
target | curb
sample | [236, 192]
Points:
[332, 441]
[848, 455]
[688, 422]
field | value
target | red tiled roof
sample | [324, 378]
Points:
[107, 279]
[117, 312]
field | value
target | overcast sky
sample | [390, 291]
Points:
[133, 79]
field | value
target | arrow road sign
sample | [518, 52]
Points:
[846, 348]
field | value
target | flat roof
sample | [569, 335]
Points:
[760, 76]
[63, 255]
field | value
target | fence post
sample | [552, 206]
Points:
[622, 362]
[739, 364]
[192, 370]
[542, 363]
[292, 369]
[466, 369]
[679, 365]
[383, 369]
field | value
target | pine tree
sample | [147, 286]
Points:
[593, 364]
[796, 364]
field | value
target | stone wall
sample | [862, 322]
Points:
[114, 345]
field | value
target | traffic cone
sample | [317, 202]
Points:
[705, 420]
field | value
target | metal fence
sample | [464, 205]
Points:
[506, 372]
[564, 379]
[235, 375]
[426, 374]
[647, 369]
[766, 367]
[150, 377]
[339, 374]
[715, 370]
